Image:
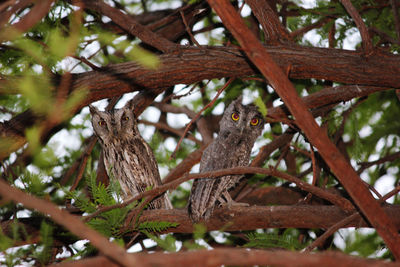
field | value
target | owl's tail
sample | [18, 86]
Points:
[202, 200]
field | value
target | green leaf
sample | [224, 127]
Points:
[272, 240]
[168, 242]
[58, 43]
[74, 99]
[261, 106]
[156, 226]
[37, 90]
[46, 239]
[33, 137]
[5, 241]
[199, 231]
[143, 57]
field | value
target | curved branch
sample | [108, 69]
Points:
[262, 217]
[129, 24]
[238, 257]
[39, 10]
[324, 194]
[194, 64]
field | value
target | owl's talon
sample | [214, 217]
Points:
[229, 202]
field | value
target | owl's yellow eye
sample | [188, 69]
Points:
[102, 123]
[126, 118]
[235, 116]
[254, 121]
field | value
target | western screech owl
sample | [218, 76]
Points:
[127, 156]
[239, 128]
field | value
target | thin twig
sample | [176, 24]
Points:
[199, 113]
[166, 127]
[188, 30]
[321, 239]
[83, 160]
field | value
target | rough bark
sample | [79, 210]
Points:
[237, 218]
[237, 257]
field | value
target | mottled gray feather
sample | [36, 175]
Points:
[127, 156]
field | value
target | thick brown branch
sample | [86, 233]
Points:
[195, 64]
[237, 218]
[238, 257]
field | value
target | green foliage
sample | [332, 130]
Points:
[110, 222]
[46, 238]
[261, 106]
[156, 226]
[363, 244]
[273, 240]
[167, 242]
[33, 183]
[5, 241]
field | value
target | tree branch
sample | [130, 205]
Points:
[262, 217]
[195, 64]
[39, 10]
[130, 25]
[238, 257]
[366, 39]
[272, 27]
[394, 4]
[319, 192]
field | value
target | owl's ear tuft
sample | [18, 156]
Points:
[93, 109]
[129, 105]
[239, 100]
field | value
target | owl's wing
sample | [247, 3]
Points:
[206, 191]
[146, 172]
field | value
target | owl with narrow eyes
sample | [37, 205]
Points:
[239, 128]
[127, 156]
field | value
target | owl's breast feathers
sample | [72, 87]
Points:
[135, 169]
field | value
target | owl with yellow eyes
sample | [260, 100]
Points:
[239, 128]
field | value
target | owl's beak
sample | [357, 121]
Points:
[114, 128]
